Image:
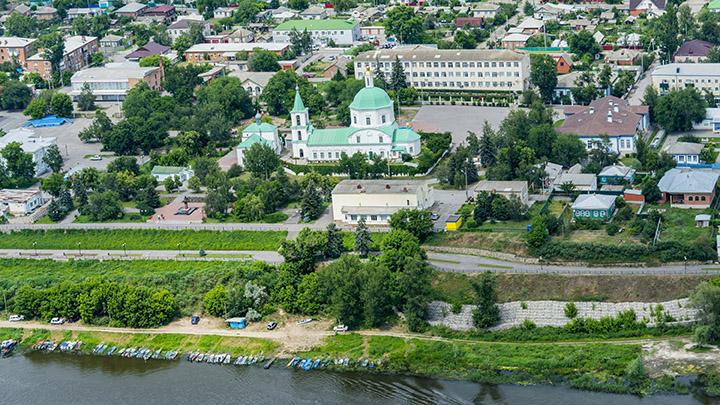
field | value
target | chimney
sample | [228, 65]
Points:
[592, 109]
[615, 108]
[609, 116]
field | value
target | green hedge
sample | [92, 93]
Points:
[700, 250]
[328, 169]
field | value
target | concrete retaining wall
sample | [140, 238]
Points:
[552, 313]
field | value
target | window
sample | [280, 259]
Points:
[322, 155]
[302, 154]
[703, 198]
[354, 119]
[297, 120]
[299, 135]
[373, 217]
[383, 121]
[411, 149]
[315, 155]
[357, 139]
[381, 138]
[408, 202]
[337, 155]
[353, 217]
[367, 120]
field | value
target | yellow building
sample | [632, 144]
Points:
[453, 223]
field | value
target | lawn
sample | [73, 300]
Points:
[274, 218]
[132, 217]
[143, 239]
[679, 225]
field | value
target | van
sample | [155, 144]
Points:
[16, 318]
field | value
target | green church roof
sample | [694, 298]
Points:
[252, 140]
[371, 98]
[167, 170]
[298, 106]
[405, 135]
[714, 5]
[330, 136]
[255, 128]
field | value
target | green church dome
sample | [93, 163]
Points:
[371, 98]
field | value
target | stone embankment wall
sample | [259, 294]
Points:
[552, 313]
[482, 252]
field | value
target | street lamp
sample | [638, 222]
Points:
[466, 183]
[125, 251]
[35, 247]
[178, 245]
[685, 257]
[79, 250]
[541, 268]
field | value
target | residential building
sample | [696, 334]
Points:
[212, 74]
[30, 143]
[253, 82]
[552, 171]
[241, 35]
[486, 10]
[517, 40]
[163, 10]
[342, 32]
[340, 65]
[711, 121]
[78, 50]
[377, 200]
[373, 130]
[508, 189]
[531, 26]
[113, 81]
[149, 49]
[472, 22]
[594, 206]
[132, 10]
[648, 7]
[686, 152]
[163, 172]
[693, 51]
[224, 12]
[622, 57]
[580, 24]
[688, 189]
[314, 13]
[182, 27]
[702, 220]
[278, 14]
[564, 63]
[599, 37]
[617, 174]
[20, 202]
[86, 12]
[22, 9]
[46, 13]
[371, 31]
[611, 116]
[581, 181]
[15, 48]
[111, 43]
[704, 77]
[259, 132]
[549, 11]
[451, 69]
[632, 39]
[225, 52]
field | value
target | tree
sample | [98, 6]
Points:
[397, 246]
[583, 44]
[650, 190]
[61, 105]
[543, 73]
[182, 44]
[215, 300]
[680, 109]
[487, 151]
[124, 164]
[225, 95]
[585, 90]
[104, 206]
[154, 61]
[413, 291]
[15, 95]
[260, 160]
[53, 184]
[650, 99]
[19, 164]
[299, 5]
[53, 158]
[301, 41]
[538, 235]
[407, 26]
[100, 127]
[171, 183]
[528, 9]
[624, 81]
[55, 213]
[398, 80]
[54, 51]
[636, 369]
[86, 98]
[666, 32]
[417, 222]
[486, 313]
[36, 109]
[305, 250]
[604, 77]
[263, 61]
[311, 205]
[17, 25]
[334, 247]
[379, 76]
[568, 149]
[706, 299]
[363, 240]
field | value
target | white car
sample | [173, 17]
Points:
[96, 157]
[16, 318]
[340, 328]
[57, 321]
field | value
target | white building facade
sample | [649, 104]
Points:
[377, 200]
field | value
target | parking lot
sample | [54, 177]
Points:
[461, 119]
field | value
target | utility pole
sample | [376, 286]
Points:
[5, 299]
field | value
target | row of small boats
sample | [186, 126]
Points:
[224, 358]
[50, 345]
[7, 346]
[308, 363]
[138, 353]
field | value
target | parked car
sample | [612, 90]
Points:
[96, 157]
[16, 318]
[434, 217]
[340, 328]
[57, 321]
[194, 320]
[272, 325]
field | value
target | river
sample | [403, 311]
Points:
[55, 378]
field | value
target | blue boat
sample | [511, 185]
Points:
[308, 365]
[302, 363]
[346, 362]
[7, 346]
[102, 349]
[316, 363]
[112, 350]
[372, 364]
[365, 363]
[97, 348]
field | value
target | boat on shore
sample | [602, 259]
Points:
[303, 321]
[7, 346]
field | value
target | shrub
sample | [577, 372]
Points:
[612, 228]
[456, 307]
[201, 252]
[620, 202]
[523, 305]
[471, 223]
[570, 310]
[636, 370]
[528, 324]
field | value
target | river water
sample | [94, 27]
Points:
[55, 378]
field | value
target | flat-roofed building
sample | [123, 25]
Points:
[131, 10]
[702, 76]
[377, 200]
[20, 202]
[224, 52]
[113, 81]
[342, 32]
[452, 69]
[36, 146]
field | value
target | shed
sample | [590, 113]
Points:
[453, 223]
[236, 323]
[702, 220]
[633, 195]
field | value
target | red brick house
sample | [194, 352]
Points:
[688, 189]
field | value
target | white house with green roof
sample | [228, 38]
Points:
[163, 172]
[374, 131]
[342, 32]
[259, 132]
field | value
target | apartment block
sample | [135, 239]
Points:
[14, 48]
[78, 50]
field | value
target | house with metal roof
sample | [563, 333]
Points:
[342, 32]
[258, 132]
[581, 181]
[686, 152]
[693, 51]
[594, 206]
[376, 200]
[704, 77]
[616, 174]
[163, 172]
[508, 189]
[131, 10]
[149, 49]
[702, 220]
[688, 188]
[373, 131]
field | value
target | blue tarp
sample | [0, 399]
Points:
[49, 121]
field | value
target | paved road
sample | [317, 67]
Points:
[464, 119]
[638, 91]
[270, 257]
[474, 264]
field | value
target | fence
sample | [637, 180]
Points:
[547, 202]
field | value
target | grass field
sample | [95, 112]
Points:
[143, 239]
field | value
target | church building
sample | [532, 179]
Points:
[259, 132]
[373, 131]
